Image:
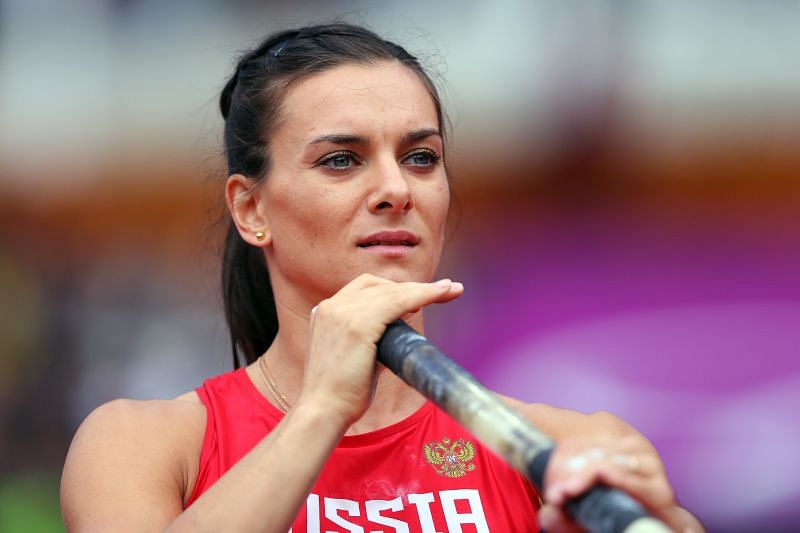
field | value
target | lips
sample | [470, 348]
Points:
[389, 238]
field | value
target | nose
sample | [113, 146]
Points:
[391, 192]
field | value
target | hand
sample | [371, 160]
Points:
[340, 371]
[629, 463]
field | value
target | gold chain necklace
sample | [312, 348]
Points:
[269, 381]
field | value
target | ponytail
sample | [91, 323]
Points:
[248, 299]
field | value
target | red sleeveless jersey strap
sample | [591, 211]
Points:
[207, 451]
[237, 418]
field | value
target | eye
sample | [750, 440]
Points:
[338, 161]
[422, 158]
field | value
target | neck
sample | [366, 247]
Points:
[394, 400]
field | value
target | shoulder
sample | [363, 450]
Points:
[126, 421]
[130, 451]
[562, 423]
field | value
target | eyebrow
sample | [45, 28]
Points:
[418, 135]
[339, 138]
[345, 138]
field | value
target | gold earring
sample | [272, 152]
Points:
[259, 235]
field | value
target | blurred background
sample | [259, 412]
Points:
[627, 181]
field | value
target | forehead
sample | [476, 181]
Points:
[386, 95]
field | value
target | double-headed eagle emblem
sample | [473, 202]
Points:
[450, 458]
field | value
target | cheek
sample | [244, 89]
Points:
[439, 206]
[309, 217]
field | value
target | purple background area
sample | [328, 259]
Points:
[687, 331]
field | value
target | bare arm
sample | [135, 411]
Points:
[265, 490]
[126, 469]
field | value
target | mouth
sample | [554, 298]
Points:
[389, 238]
[386, 243]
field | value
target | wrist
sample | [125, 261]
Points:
[322, 413]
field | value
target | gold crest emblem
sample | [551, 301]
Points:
[450, 458]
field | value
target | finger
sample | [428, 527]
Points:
[393, 301]
[571, 469]
[652, 491]
[632, 453]
[364, 282]
[643, 464]
[554, 519]
[571, 475]
[379, 302]
[456, 290]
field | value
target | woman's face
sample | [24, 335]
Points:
[357, 183]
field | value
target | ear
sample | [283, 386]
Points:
[247, 209]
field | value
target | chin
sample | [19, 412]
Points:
[400, 274]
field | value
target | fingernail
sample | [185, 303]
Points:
[458, 285]
[446, 282]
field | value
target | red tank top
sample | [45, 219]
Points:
[423, 474]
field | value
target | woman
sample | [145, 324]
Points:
[338, 195]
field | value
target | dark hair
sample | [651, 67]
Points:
[251, 106]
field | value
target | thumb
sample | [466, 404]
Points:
[553, 519]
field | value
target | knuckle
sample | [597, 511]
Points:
[367, 279]
[324, 307]
[611, 424]
[665, 489]
[603, 417]
[333, 310]
[658, 494]
[630, 442]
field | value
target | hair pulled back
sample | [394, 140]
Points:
[251, 104]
